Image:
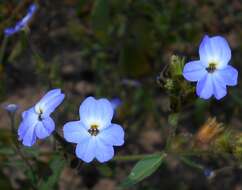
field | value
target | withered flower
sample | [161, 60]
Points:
[208, 132]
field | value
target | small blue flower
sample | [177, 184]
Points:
[94, 134]
[11, 108]
[36, 121]
[212, 72]
[20, 25]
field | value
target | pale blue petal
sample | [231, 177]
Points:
[49, 102]
[44, 128]
[112, 135]
[194, 71]
[229, 75]
[87, 149]
[40, 131]
[103, 152]
[29, 137]
[219, 87]
[204, 87]
[98, 112]
[75, 132]
[215, 49]
[29, 119]
[49, 96]
[22, 130]
[53, 104]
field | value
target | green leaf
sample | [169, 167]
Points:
[56, 164]
[144, 168]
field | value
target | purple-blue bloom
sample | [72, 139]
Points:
[20, 25]
[94, 133]
[36, 121]
[212, 72]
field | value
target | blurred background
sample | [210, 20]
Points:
[116, 49]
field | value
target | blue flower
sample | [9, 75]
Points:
[11, 108]
[212, 71]
[94, 134]
[36, 121]
[20, 25]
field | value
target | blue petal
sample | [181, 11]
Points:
[50, 101]
[22, 23]
[215, 49]
[87, 149]
[98, 112]
[194, 71]
[112, 135]
[219, 86]
[44, 128]
[30, 119]
[9, 31]
[29, 137]
[204, 87]
[229, 75]
[75, 132]
[103, 152]
[32, 8]
[49, 96]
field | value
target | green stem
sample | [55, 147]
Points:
[63, 143]
[191, 163]
[131, 157]
[19, 151]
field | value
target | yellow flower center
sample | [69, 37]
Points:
[93, 130]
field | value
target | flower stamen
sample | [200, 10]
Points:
[40, 115]
[93, 130]
[211, 67]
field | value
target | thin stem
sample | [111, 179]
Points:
[62, 142]
[19, 151]
[131, 157]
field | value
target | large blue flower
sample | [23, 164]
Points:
[212, 71]
[36, 121]
[20, 25]
[94, 134]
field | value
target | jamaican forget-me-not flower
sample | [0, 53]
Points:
[36, 121]
[94, 133]
[20, 25]
[212, 71]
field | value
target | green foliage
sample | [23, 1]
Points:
[144, 168]
[56, 165]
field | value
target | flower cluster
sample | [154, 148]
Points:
[94, 134]
[212, 72]
[20, 25]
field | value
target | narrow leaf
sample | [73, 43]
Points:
[143, 169]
